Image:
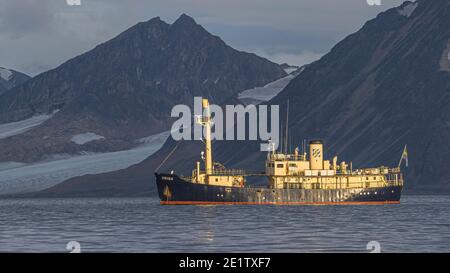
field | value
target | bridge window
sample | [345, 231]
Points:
[280, 165]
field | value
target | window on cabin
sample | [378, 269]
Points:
[280, 165]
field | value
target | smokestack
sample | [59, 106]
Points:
[316, 155]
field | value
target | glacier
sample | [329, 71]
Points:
[16, 177]
[19, 127]
[267, 92]
[291, 69]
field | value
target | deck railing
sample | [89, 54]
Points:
[223, 172]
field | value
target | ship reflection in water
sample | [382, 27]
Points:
[419, 223]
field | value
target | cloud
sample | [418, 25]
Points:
[18, 18]
[36, 35]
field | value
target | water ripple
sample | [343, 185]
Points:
[419, 224]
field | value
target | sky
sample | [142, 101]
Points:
[38, 35]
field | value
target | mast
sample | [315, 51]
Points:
[287, 128]
[206, 122]
[290, 141]
[304, 149]
[281, 137]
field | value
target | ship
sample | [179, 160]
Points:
[291, 179]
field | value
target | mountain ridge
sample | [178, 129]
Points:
[10, 78]
[124, 88]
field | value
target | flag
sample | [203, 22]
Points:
[404, 156]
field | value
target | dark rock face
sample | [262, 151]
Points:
[289, 68]
[125, 88]
[10, 78]
[380, 88]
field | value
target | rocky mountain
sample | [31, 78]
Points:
[10, 78]
[380, 88]
[124, 89]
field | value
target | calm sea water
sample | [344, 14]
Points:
[419, 224]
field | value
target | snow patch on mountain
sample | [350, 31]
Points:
[16, 177]
[5, 74]
[408, 9]
[260, 94]
[81, 139]
[300, 70]
[445, 60]
[19, 127]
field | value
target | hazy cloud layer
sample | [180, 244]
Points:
[36, 35]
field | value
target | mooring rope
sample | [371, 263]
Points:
[167, 157]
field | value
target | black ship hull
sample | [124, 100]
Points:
[173, 190]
